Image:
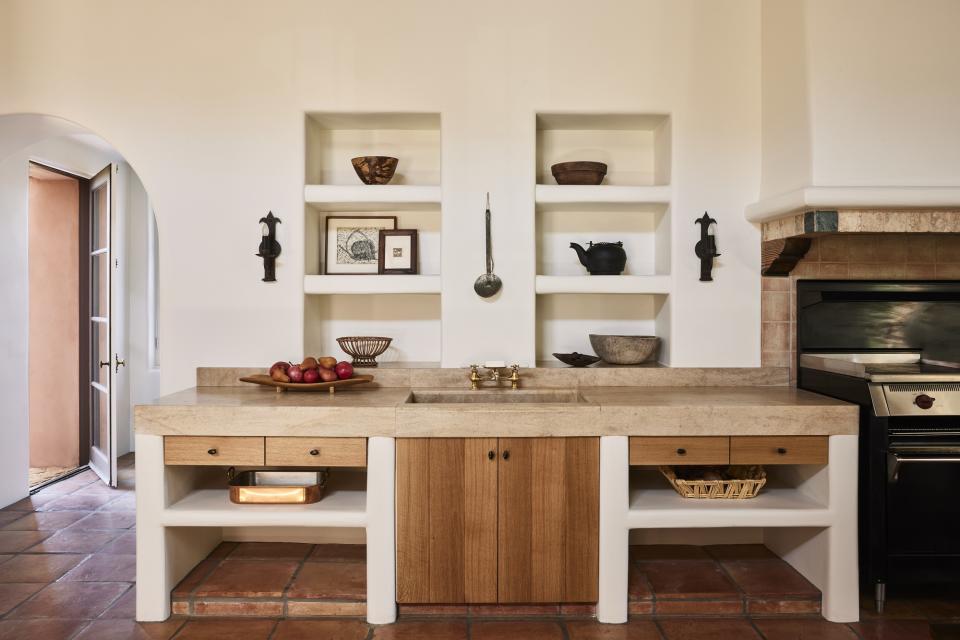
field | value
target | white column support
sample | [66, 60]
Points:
[841, 590]
[153, 587]
[614, 535]
[381, 539]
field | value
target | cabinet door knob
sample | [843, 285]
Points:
[506, 455]
[681, 451]
[491, 455]
[781, 451]
[314, 452]
[212, 452]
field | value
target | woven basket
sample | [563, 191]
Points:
[364, 349]
[738, 483]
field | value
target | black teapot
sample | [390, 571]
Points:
[602, 258]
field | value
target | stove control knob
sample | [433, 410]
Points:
[923, 401]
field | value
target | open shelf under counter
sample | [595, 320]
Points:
[655, 505]
[652, 284]
[371, 284]
[364, 197]
[343, 505]
[601, 196]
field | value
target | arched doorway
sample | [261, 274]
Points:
[78, 341]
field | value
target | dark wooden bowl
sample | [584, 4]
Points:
[375, 169]
[576, 359]
[579, 172]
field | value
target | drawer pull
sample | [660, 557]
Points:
[781, 451]
[314, 452]
[491, 455]
[212, 452]
[506, 454]
[681, 451]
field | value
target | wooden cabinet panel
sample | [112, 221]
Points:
[213, 450]
[316, 452]
[446, 520]
[778, 450]
[548, 519]
[679, 450]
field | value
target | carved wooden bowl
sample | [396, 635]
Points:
[579, 172]
[375, 169]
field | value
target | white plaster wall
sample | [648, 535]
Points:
[207, 101]
[860, 93]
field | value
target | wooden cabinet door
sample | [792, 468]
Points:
[446, 520]
[549, 519]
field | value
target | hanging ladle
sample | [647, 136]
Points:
[488, 284]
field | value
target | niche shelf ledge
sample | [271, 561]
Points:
[654, 284]
[366, 197]
[601, 194]
[370, 284]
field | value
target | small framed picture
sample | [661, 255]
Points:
[398, 251]
[353, 243]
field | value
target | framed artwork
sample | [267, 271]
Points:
[398, 251]
[353, 243]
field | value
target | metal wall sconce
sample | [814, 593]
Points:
[706, 249]
[269, 247]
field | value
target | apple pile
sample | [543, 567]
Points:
[325, 369]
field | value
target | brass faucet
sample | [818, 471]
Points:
[494, 376]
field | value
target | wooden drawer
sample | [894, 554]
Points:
[778, 450]
[679, 450]
[197, 450]
[316, 452]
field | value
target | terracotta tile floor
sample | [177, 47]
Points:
[67, 571]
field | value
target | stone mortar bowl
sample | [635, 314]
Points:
[625, 349]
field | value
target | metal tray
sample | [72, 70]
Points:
[277, 486]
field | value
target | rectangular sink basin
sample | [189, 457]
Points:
[496, 396]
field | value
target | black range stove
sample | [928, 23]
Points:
[894, 349]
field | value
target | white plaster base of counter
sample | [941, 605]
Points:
[812, 526]
[171, 542]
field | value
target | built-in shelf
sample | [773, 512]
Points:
[343, 505]
[654, 504]
[364, 197]
[603, 284]
[371, 284]
[600, 196]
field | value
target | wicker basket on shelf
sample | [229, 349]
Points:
[733, 483]
[364, 349]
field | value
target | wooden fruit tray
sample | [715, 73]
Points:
[330, 387]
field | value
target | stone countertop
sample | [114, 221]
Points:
[385, 411]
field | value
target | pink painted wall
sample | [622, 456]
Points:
[54, 333]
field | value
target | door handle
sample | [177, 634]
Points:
[104, 364]
[506, 454]
[895, 461]
[120, 363]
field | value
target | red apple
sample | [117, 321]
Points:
[310, 376]
[295, 373]
[282, 366]
[327, 375]
[344, 370]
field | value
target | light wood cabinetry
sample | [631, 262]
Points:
[213, 450]
[488, 520]
[682, 450]
[548, 519]
[778, 450]
[447, 520]
[711, 450]
[316, 452]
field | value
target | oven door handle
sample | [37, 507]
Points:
[895, 460]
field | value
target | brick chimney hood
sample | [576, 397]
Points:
[789, 221]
